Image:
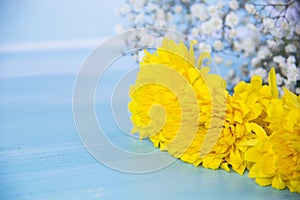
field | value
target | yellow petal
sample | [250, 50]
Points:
[278, 183]
[263, 181]
[272, 83]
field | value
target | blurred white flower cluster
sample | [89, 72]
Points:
[253, 35]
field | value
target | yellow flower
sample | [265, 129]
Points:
[178, 105]
[246, 118]
[274, 158]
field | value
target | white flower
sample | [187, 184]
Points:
[178, 9]
[250, 8]
[213, 10]
[293, 73]
[231, 19]
[138, 5]
[229, 63]
[248, 45]
[263, 52]
[160, 14]
[297, 29]
[277, 32]
[255, 61]
[152, 7]
[218, 45]
[141, 55]
[279, 79]
[231, 74]
[269, 23]
[195, 32]
[234, 4]
[272, 44]
[252, 27]
[259, 72]
[147, 40]
[218, 59]
[280, 60]
[159, 23]
[284, 25]
[232, 33]
[204, 47]
[207, 28]
[216, 22]
[237, 46]
[297, 91]
[290, 48]
[291, 60]
[139, 19]
[199, 11]
[220, 5]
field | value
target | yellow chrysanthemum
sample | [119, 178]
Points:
[275, 157]
[191, 110]
[245, 118]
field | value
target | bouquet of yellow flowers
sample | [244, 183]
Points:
[184, 109]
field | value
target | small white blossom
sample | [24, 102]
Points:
[216, 23]
[259, 72]
[199, 11]
[218, 59]
[290, 48]
[297, 90]
[218, 45]
[233, 33]
[250, 8]
[139, 19]
[207, 28]
[231, 74]
[291, 60]
[147, 40]
[255, 61]
[280, 60]
[237, 46]
[220, 5]
[159, 23]
[263, 52]
[272, 44]
[297, 29]
[213, 10]
[178, 9]
[269, 23]
[139, 56]
[229, 63]
[231, 19]
[234, 4]
[293, 73]
[277, 32]
[279, 79]
[138, 6]
[152, 7]
[195, 32]
[252, 27]
[204, 47]
[160, 14]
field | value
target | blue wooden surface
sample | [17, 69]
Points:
[41, 156]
